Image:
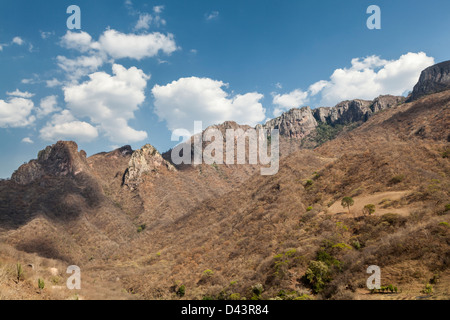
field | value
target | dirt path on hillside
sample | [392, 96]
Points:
[379, 200]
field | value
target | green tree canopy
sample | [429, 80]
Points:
[347, 202]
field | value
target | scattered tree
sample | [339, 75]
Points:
[347, 202]
[369, 209]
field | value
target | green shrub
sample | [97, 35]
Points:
[341, 226]
[309, 209]
[393, 219]
[324, 254]
[428, 289]
[283, 261]
[181, 290]
[235, 296]
[290, 252]
[208, 273]
[326, 132]
[19, 272]
[317, 275]
[257, 290]
[385, 289]
[397, 179]
[141, 228]
[292, 295]
[369, 209]
[435, 279]
[56, 280]
[308, 183]
[356, 244]
[341, 246]
[443, 223]
[41, 284]
[447, 207]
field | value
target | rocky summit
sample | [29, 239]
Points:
[433, 79]
[60, 159]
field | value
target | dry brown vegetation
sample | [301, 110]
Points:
[225, 232]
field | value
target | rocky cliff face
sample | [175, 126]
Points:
[299, 123]
[433, 79]
[60, 159]
[296, 123]
[344, 113]
[144, 161]
[385, 102]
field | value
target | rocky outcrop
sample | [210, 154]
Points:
[144, 161]
[60, 159]
[299, 123]
[344, 113]
[295, 124]
[432, 80]
[385, 102]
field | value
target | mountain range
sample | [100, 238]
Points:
[141, 227]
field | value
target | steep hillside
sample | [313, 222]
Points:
[272, 230]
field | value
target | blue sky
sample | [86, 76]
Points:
[138, 69]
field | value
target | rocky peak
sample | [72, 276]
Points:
[296, 123]
[143, 161]
[125, 150]
[60, 159]
[433, 79]
[226, 126]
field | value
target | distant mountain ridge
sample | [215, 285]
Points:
[299, 123]
[296, 124]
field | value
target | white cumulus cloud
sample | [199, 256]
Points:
[120, 45]
[47, 106]
[186, 100]
[18, 40]
[81, 41]
[64, 126]
[16, 112]
[20, 94]
[110, 101]
[80, 66]
[53, 83]
[372, 76]
[288, 101]
[27, 140]
[112, 45]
